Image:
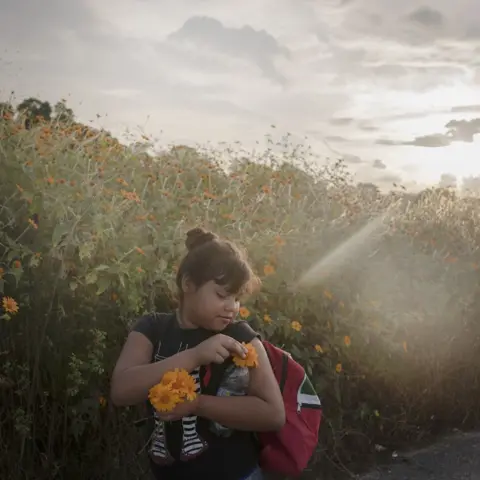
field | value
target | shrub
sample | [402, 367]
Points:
[91, 234]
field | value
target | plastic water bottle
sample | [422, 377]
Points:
[235, 383]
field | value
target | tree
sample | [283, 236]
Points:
[448, 180]
[6, 110]
[63, 114]
[471, 185]
[32, 109]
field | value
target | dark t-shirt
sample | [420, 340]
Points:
[188, 448]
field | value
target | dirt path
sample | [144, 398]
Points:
[456, 457]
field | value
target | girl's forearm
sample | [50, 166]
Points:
[131, 386]
[241, 413]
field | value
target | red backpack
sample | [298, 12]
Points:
[288, 451]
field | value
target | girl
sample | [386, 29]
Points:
[211, 277]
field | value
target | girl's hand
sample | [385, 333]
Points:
[185, 409]
[217, 349]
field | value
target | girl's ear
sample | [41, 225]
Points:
[187, 285]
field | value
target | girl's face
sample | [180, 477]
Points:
[210, 306]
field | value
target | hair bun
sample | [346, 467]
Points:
[197, 237]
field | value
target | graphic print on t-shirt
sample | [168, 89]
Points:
[192, 444]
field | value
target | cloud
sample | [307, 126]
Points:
[457, 131]
[465, 109]
[245, 42]
[379, 164]
[427, 17]
[336, 139]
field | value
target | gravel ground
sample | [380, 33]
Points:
[456, 457]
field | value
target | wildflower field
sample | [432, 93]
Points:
[91, 233]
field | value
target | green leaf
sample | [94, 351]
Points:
[91, 278]
[101, 268]
[85, 250]
[60, 230]
[103, 284]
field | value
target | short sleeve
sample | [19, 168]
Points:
[146, 326]
[241, 331]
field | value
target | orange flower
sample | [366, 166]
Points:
[163, 398]
[17, 264]
[347, 340]
[181, 383]
[279, 241]
[318, 348]
[130, 196]
[268, 270]
[102, 401]
[297, 326]
[139, 250]
[2, 271]
[338, 368]
[10, 305]
[209, 195]
[251, 358]
[266, 189]
[244, 312]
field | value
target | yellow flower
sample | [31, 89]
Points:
[251, 358]
[10, 305]
[268, 269]
[297, 326]
[318, 348]
[347, 340]
[338, 368]
[181, 383]
[163, 398]
[328, 294]
[267, 318]
[244, 312]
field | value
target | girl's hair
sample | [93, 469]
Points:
[211, 258]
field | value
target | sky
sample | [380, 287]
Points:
[391, 87]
